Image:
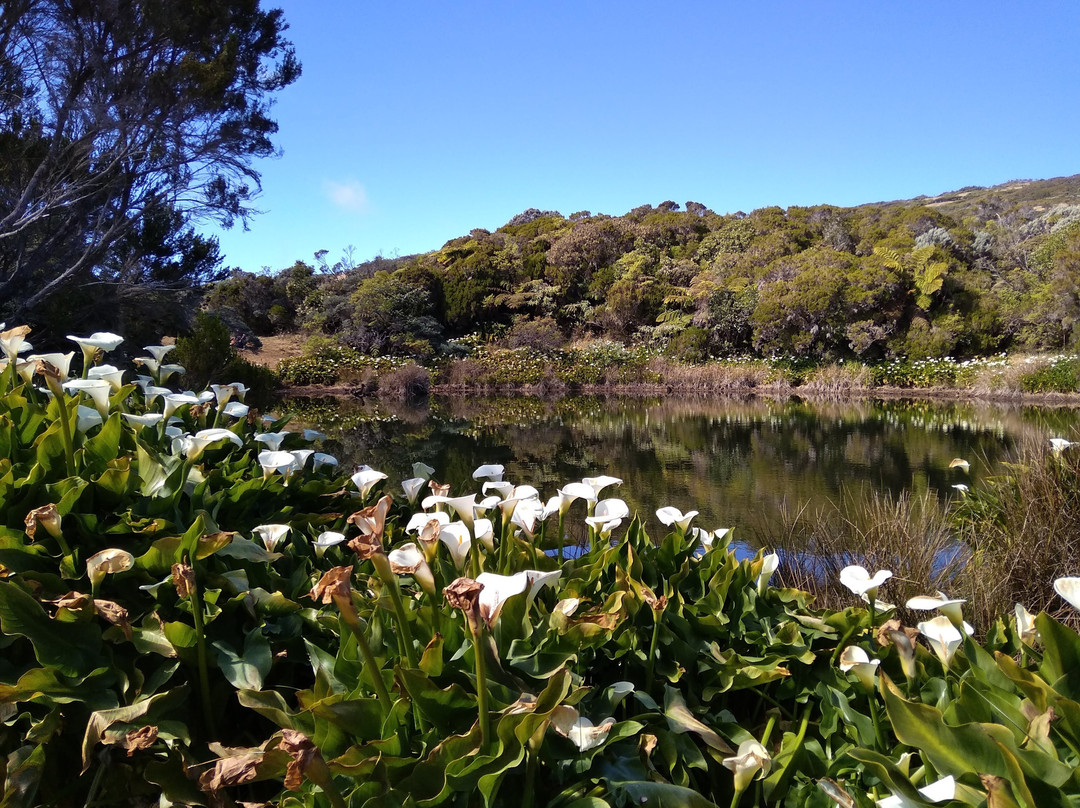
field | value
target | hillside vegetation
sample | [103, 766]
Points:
[967, 273]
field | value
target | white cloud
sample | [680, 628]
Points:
[349, 195]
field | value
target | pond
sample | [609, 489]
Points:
[738, 462]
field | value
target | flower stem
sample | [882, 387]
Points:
[559, 538]
[481, 684]
[200, 651]
[372, 665]
[652, 651]
[65, 430]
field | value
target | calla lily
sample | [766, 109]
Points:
[567, 606]
[750, 759]
[149, 419]
[235, 409]
[223, 393]
[422, 470]
[458, 540]
[464, 507]
[281, 462]
[943, 637]
[413, 487]
[939, 791]
[166, 371]
[103, 341]
[486, 504]
[104, 562]
[490, 471]
[525, 515]
[769, 564]
[327, 538]
[950, 608]
[1025, 624]
[109, 374]
[12, 342]
[408, 559]
[271, 535]
[859, 581]
[302, 456]
[174, 401]
[566, 721]
[366, 478]
[272, 440]
[158, 351]
[538, 580]
[673, 516]
[61, 361]
[497, 590]
[502, 488]
[97, 389]
[149, 363]
[571, 491]
[855, 660]
[418, 520]
[484, 532]
[959, 463]
[607, 510]
[194, 445]
[963, 489]
[240, 388]
[86, 418]
[314, 435]
[1058, 445]
[320, 459]
[1069, 589]
[598, 484]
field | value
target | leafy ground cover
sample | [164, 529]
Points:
[197, 607]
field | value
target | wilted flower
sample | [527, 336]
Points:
[48, 517]
[750, 759]
[858, 580]
[581, 731]
[673, 516]
[464, 593]
[106, 561]
[372, 519]
[419, 520]
[11, 341]
[60, 361]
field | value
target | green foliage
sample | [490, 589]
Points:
[1061, 374]
[230, 663]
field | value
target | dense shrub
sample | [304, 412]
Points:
[1060, 375]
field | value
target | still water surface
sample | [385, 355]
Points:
[737, 462]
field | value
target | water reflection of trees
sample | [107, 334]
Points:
[735, 461]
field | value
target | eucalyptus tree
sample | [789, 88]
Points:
[118, 117]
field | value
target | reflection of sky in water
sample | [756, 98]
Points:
[737, 462]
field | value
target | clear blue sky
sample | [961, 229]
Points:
[415, 122]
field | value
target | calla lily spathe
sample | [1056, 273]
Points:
[1025, 624]
[366, 478]
[320, 459]
[12, 341]
[497, 590]
[1069, 589]
[236, 409]
[282, 463]
[939, 791]
[271, 535]
[598, 484]
[948, 607]
[194, 445]
[273, 440]
[673, 516]
[860, 582]
[856, 661]
[97, 390]
[944, 638]
[108, 561]
[458, 540]
[770, 563]
[328, 538]
[408, 559]
[581, 731]
[607, 510]
[109, 374]
[750, 759]
[1058, 445]
[412, 488]
[489, 471]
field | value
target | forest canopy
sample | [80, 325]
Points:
[969, 273]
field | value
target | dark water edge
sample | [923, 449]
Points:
[739, 462]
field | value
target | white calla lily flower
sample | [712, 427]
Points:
[458, 540]
[418, 520]
[159, 352]
[86, 418]
[750, 759]
[526, 514]
[109, 374]
[598, 484]
[149, 419]
[313, 435]
[490, 471]
[944, 638]
[1058, 445]
[273, 440]
[484, 532]
[236, 409]
[366, 478]
[165, 372]
[282, 463]
[408, 559]
[860, 582]
[328, 538]
[501, 487]
[96, 389]
[61, 361]
[1069, 589]
[607, 510]
[539, 579]
[497, 590]
[194, 445]
[412, 488]
[948, 607]
[1025, 624]
[855, 660]
[174, 401]
[673, 516]
[271, 535]
[320, 459]
[581, 731]
[571, 491]
[770, 563]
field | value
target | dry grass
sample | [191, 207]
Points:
[839, 380]
[734, 378]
